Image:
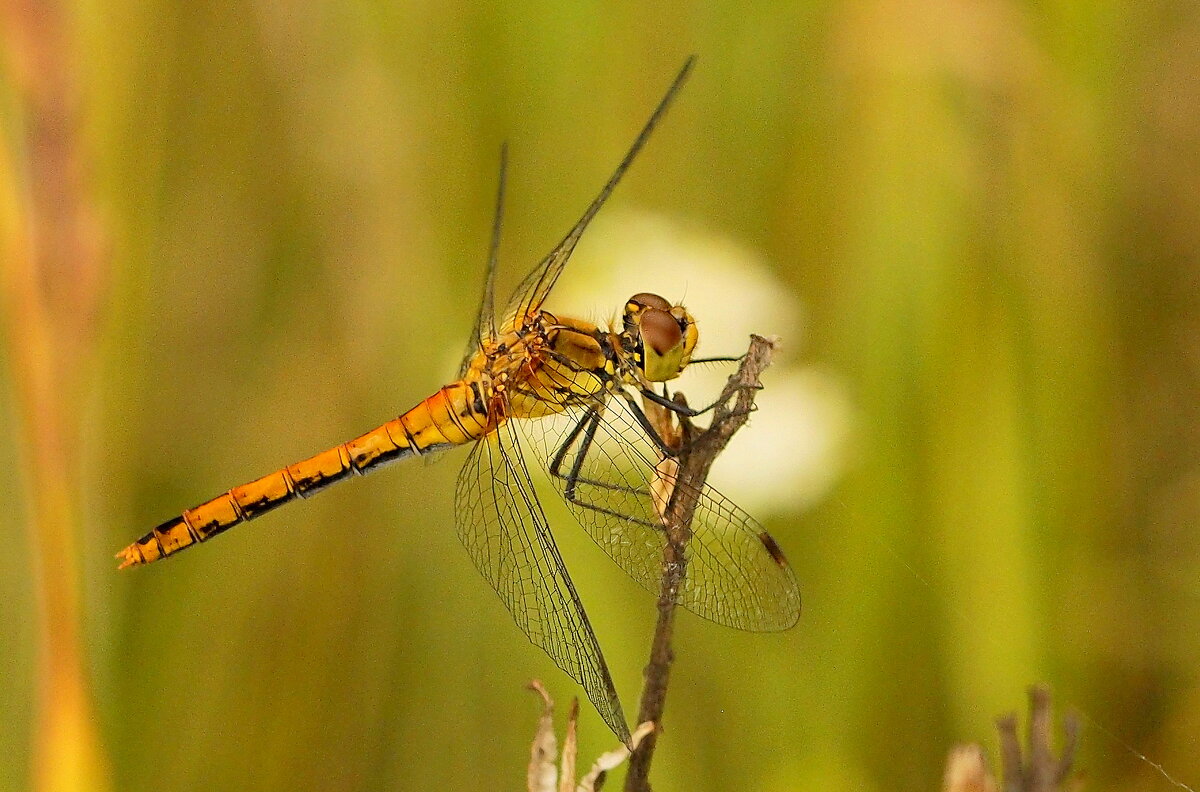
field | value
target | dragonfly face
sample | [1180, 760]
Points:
[564, 393]
[659, 336]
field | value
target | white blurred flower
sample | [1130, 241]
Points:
[730, 290]
[794, 448]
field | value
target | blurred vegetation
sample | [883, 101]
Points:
[990, 211]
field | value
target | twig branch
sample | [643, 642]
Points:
[1041, 770]
[681, 480]
[1035, 770]
[543, 776]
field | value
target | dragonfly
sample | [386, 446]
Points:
[565, 392]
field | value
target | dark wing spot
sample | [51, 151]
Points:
[773, 548]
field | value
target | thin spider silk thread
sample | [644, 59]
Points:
[995, 644]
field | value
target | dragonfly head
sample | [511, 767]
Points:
[661, 336]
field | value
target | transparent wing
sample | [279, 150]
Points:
[608, 470]
[532, 291]
[503, 528]
[485, 318]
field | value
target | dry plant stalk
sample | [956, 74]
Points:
[53, 276]
[697, 450]
[1040, 770]
[543, 776]
[1037, 770]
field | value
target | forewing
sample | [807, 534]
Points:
[503, 528]
[534, 288]
[735, 574]
[485, 317]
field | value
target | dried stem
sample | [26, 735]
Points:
[682, 478]
[1040, 770]
[51, 285]
[1036, 769]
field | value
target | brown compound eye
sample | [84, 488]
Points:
[660, 331]
[649, 300]
[641, 303]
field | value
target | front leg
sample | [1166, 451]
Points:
[580, 489]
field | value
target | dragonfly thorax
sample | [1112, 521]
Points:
[660, 337]
[541, 365]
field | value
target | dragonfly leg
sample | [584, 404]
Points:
[683, 409]
[573, 479]
[560, 455]
[663, 400]
[589, 424]
[643, 421]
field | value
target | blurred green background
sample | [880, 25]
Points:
[975, 223]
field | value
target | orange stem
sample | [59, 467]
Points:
[50, 273]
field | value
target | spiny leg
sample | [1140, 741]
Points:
[589, 435]
[587, 427]
[682, 409]
[643, 420]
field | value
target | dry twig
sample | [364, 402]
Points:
[1038, 771]
[543, 776]
[685, 475]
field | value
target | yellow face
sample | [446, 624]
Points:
[663, 336]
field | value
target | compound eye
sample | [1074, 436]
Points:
[648, 300]
[660, 331]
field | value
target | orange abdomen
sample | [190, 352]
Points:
[456, 414]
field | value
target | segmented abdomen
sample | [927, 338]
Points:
[456, 414]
